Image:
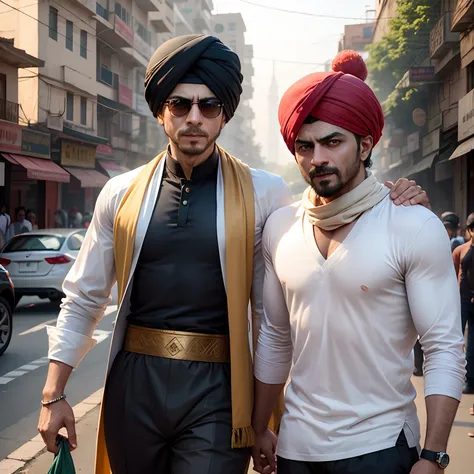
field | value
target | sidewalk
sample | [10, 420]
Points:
[461, 447]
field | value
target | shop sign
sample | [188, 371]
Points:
[413, 142]
[421, 74]
[431, 142]
[76, 154]
[10, 137]
[466, 116]
[104, 150]
[419, 117]
[125, 95]
[123, 30]
[35, 143]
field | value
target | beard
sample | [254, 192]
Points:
[327, 188]
[198, 148]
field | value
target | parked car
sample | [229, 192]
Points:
[7, 302]
[39, 261]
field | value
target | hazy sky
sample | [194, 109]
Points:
[291, 37]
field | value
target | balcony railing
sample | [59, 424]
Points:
[9, 111]
[102, 11]
[108, 77]
[441, 37]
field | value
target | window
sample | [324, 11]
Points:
[231, 26]
[74, 242]
[37, 243]
[84, 44]
[83, 111]
[70, 107]
[470, 77]
[69, 28]
[122, 13]
[367, 32]
[53, 23]
[140, 83]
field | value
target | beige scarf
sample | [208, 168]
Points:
[344, 209]
[240, 234]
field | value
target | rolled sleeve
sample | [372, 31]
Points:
[68, 347]
[87, 288]
[434, 300]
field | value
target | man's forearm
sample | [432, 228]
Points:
[441, 411]
[266, 396]
[58, 375]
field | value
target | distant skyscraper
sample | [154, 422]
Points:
[273, 127]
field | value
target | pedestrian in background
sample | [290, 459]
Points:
[452, 225]
[31, 217]
[463, 258]
[5, 222]
[21, 224]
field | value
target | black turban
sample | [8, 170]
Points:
[196, 59]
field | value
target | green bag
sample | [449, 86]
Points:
[63, 463]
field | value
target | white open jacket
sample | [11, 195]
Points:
[89, 283]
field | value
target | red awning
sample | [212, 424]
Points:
[38, 168]
[113, 169]
[88, 178]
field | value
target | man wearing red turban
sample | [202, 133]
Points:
[351, 281]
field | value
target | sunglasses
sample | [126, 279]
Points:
[209, 108]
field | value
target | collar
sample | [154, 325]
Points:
[199, 173]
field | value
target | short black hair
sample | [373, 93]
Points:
[367, 162]
[19, 209]
[470, 221]
[450, 220]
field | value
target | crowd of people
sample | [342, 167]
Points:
[25, 220]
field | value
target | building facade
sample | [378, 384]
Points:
[238, 136]
[434, 145]
[89, 94]
[28, 176]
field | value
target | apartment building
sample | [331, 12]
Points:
[193, 16]
[435, 145]
[238, 135]
[89, 93]
[28, 177]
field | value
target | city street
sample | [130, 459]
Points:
[23, 369]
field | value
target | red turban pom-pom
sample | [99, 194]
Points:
[350, 62]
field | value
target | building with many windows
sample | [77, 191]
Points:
[238, 136]
[88, 95]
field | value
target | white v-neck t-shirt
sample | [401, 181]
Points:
[346, 327]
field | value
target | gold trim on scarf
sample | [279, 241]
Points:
[239, 210]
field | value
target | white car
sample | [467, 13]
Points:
[39, 261]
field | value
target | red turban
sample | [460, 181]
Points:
[340, 97]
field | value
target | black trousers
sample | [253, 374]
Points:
[397, 460]
[164, 416]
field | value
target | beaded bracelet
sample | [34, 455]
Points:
[54, 400]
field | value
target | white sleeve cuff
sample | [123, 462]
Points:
[271, 373]
[68, 346]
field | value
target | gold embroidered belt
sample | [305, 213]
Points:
[177, 344]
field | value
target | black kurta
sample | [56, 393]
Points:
[178, 281]
[165, 415]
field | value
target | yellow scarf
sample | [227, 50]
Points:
[239, 211]
[344, 209]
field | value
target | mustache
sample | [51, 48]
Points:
[321, 170]
[192, 131]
